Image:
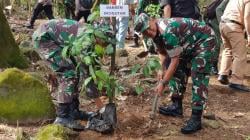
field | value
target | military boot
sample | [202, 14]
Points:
[175, 109]
[194, 123]
[63, 118]
[77, 114]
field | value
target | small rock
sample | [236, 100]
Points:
[209, 116]
[23, 98]
[25, 44]
[31, 54]
[211, 123]
[121, 98]
[150, 80]
[54, 132]
[239, 114]
[125, 70]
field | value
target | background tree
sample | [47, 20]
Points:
[10, 55]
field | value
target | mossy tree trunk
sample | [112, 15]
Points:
[9, 52]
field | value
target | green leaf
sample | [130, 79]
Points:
[154, 64]
[89, 31]
[100, 34]
[109, 49]
[86, 81]
[65, 52]
[135, 69]
[87, 60]
[103, 75]
[100, 85]
[94, 16]
[92, 72]
[86, 43]
[139, 90]
[99, 50]
[145, 71]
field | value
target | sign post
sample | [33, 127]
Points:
[113, 11]
[108, 10]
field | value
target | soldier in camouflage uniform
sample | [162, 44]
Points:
[184, 40]
[49, 38]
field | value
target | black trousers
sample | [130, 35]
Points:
[39, 7]
[84, 14]
[69, 11]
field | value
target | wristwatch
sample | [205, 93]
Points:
[164, 82]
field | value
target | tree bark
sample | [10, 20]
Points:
[10, 55]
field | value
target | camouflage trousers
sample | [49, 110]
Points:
[69, 81]
[198, 67]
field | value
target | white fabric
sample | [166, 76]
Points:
[45, 2]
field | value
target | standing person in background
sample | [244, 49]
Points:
[212, 16]
[220, 10]
[122, 25]
[181, 8]
[69, 9]
[83, 8]
[41, 5]
[235, 19]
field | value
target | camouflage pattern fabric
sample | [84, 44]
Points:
[195, 43]
[49, 38]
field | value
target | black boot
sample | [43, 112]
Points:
[77, 114]
[175, 109]
[194, 123]
[223, 79]
[63, 118]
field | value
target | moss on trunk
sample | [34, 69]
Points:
[10, 55]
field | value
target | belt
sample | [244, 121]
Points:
[231, 21]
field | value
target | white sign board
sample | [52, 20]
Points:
[114, 10]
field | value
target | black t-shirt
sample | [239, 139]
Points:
[183, 8]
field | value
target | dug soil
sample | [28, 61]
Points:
[231, 110]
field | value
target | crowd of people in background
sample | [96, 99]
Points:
[188, 44]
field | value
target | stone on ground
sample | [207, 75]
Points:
[23, 98]
[54, 132]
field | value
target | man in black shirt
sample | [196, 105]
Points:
[180, 8]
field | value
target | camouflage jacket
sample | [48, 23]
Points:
[185, 37]
[50, 37]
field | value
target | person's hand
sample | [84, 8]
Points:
[159, 89]
[159, 75]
